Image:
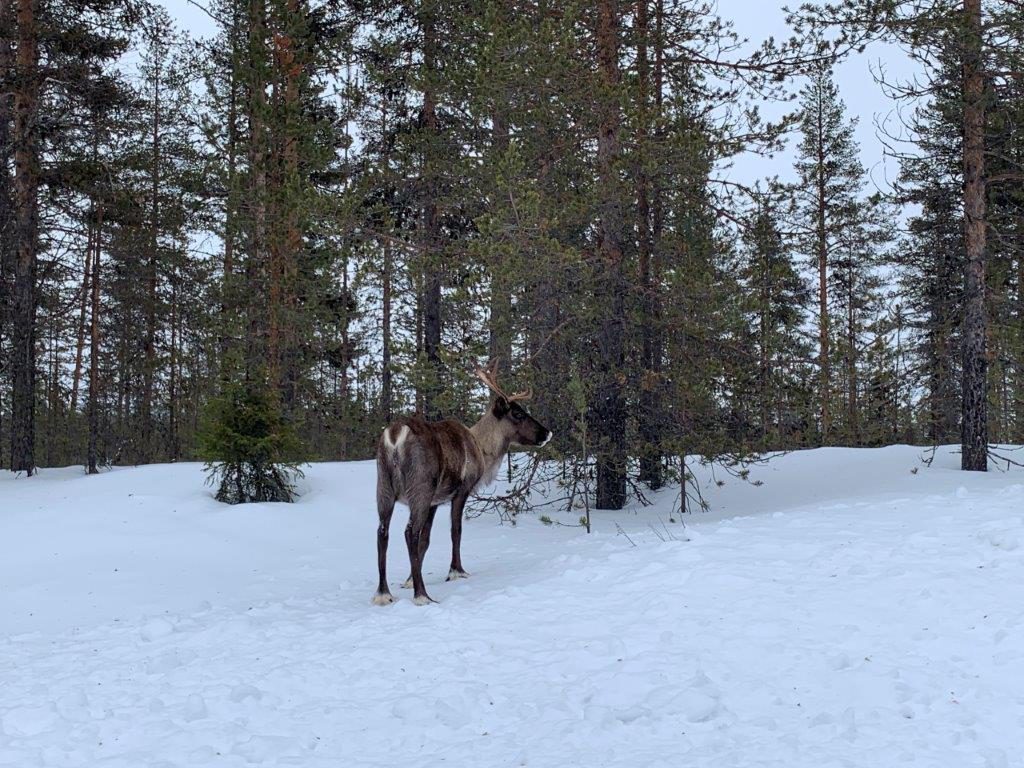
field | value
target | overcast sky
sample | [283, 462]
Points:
[756, 20]
[855, 77]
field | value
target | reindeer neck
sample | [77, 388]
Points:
[489, 439]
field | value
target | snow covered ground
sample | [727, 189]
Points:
[847, 612]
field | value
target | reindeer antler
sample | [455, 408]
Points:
[489, 376]
[526, 394]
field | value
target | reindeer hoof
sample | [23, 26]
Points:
[383, 598]
[423, 600]
[407, 584]
[454, 574]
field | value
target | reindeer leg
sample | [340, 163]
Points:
[385, 507]
[424, 543]
[413, 540]
[456, 571]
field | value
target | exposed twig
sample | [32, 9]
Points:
[623, 533]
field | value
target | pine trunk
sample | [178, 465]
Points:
[852, 416]
[608, 409]
[7, 206]
[386, 279]
[974, 423]
[76, 377]
[431, 225]
[765, 376]
[821, 238]
[650, 416]
[500, 316]
[172, 382]
[92, 459]
[286, 236]
[231, 204]
[258, 357]
[145, 453]
[386, 395]
[26, 186]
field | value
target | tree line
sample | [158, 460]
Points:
[258, 247]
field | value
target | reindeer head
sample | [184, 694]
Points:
[519, 426]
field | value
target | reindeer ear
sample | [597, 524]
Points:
[501, 407]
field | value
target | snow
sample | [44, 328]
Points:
[857, 608]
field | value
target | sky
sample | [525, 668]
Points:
[756, 20]
[856, 79]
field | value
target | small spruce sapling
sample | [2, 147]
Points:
[250, 450]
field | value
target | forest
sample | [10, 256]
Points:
[272, 241]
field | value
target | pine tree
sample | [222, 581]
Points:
[930, 268]
[775, 299]
[981, 41]
[833, 222]
[61, 60]
[279, 274]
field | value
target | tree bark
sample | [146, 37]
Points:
[386, 394]
[650, 416]
[431, 223]
[26, 188]
[92, 459]
[500, 315]
[7, 205]
[172, 382]
[974, 416]
[386, 279]
[258, 361]
[285, 236]
[149, 362]
[852, 416]
[608, 409]
[231, 205]
[821, 237]
[76, 377]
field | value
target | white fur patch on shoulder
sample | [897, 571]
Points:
[387, 438]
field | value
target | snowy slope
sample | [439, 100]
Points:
[847, 612]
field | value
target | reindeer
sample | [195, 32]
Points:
[424, 464]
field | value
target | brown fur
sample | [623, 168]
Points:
[424, 464]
